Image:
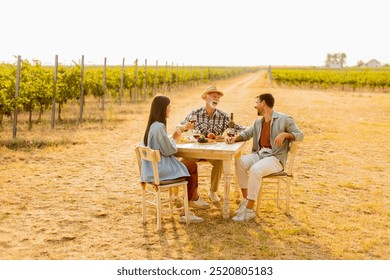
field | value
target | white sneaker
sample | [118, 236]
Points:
[213, 197]
[200, 203]
[242, 206]
[245, 215]
[192, 217]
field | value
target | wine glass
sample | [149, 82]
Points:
[230, 132]
[196, 133]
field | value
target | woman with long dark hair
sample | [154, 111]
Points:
[156, 137]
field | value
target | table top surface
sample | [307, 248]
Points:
[215, 147]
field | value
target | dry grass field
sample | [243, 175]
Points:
[73, 193]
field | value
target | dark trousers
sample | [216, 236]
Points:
[192, 186]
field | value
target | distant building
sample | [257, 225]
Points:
[373, 63]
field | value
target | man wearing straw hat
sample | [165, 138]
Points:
[209, 119]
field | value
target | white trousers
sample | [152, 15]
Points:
[250, 169]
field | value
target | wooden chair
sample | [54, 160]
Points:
[157, 187]
[272, 185]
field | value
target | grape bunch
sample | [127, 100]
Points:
[202, 139]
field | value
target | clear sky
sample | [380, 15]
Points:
[195, 32]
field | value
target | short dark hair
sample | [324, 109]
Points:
[268, 98]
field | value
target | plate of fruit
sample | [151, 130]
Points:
[217, 138]
[204, 140]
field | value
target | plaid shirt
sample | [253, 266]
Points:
[217, 123]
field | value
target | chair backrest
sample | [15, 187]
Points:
[148, 154]
[292, 152]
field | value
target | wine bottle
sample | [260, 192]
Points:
[231, 123]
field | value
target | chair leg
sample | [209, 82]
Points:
[186, 210]
[143, 204]
[288, 183]
[280, 182]
[278, 193]
[158, 206]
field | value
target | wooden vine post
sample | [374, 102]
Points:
[104, 81]
[271, 78]
[122, 78]
[145, 79]
[53, 105]
[82, 89]
[135, 80]
[165, 77]
[183, 77]
[170, 78]
[14, 130]
[155, 79]
[177, 77]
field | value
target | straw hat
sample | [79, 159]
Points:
[211, 89]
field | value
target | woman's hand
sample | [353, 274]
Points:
[177, 134]
[186, 127]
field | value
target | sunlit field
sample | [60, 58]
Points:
[72, 192]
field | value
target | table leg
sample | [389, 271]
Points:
[226, 188]
[237, 191]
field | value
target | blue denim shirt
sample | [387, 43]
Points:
[279, 123]
[169, 167]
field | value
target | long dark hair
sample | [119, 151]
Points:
[158, 112]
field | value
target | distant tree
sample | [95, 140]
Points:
[360, 63]
[335, 59]
[328, 60]
[342, 59]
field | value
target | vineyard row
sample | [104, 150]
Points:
[349, 78]
[32, 86]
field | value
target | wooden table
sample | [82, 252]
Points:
[218, 150]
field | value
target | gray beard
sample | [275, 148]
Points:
[211, 104]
